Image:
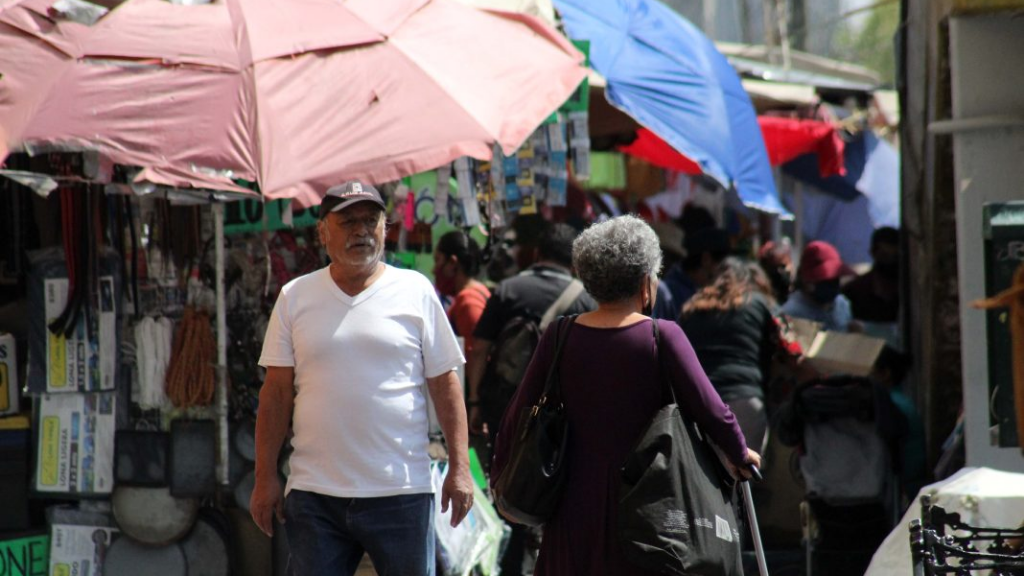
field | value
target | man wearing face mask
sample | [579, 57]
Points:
[817, 297]
[875, 295]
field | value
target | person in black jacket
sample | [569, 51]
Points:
[732, 329]
[528, 294]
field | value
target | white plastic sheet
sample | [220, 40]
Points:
[982, 497]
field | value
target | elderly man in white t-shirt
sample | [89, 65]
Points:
[347, 351]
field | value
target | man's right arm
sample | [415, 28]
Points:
[273, 419]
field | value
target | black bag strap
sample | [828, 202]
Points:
[553, 384]
[661, 362]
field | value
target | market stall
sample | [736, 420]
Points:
[149, 302]
[143, 297]
[124, 297]
[142, 323]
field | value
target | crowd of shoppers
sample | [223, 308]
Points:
[720, 317]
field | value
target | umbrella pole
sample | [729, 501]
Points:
[798, 216]
[222, 346]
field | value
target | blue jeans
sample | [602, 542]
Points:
[328, 535]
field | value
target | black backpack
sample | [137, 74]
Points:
[512, 352]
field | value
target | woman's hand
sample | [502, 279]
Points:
[744, 471]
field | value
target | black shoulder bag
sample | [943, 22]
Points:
[675, 504]
[530, 486]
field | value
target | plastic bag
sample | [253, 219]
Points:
[475, 542]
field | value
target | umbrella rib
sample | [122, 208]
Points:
[40, 38]
[469, 111]
[248, 66]
[384, 37]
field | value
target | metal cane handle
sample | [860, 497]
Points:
[756, 472]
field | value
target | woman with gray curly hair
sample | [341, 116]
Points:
[611, 258]
[611, 384]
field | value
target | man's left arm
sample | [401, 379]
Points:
[446, 392]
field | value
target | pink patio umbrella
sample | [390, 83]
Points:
[293, 95]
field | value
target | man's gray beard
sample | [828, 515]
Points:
[373, 259]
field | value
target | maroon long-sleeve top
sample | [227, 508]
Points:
[612, 386]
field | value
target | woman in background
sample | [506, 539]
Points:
[735, 337]
[456, 265]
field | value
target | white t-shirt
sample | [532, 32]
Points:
[361, 363]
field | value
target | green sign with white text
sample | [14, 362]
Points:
[256, 216]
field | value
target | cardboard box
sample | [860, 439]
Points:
[803, 331]
[842, 353]
[9, 393]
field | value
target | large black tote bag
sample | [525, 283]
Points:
[675, 500]
[531, 484]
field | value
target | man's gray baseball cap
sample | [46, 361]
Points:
[344, 195]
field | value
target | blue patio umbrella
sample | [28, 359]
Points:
[669, 77]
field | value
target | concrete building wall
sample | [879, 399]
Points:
[931, 315]
[988, 147]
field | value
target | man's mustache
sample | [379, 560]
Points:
[363, 242]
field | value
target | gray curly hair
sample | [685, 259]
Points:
[611, 258]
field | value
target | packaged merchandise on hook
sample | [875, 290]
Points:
[9, 396]
[75, 451]
[79, 540]
[536, 174]
[579, 144]
[84, 355]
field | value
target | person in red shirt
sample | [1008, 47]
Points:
[456, 265]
